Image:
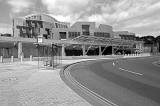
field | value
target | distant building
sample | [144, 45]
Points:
[125, 35]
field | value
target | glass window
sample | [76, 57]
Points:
[56, 25]
[85, 29]
[62, 35]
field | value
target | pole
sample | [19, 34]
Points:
[112, 50]
[38, 55]
[52, 57]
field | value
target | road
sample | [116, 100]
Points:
[125, 82]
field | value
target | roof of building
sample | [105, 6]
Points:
[124, 33]
[42, 14]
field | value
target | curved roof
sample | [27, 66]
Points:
[45, 17]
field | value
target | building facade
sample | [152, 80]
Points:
[81, 38]
[45, 26]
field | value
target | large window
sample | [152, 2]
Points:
[56, 25]
[102, 34]
[127, 37]
[85, 29]
[62, 35]
[72, 35]
[48, 34]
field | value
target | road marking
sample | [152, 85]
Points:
[130, 71]
[101, 99]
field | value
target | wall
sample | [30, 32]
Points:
[78, 26]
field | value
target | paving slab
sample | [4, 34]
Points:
[23, 84]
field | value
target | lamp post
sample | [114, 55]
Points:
[37, 44]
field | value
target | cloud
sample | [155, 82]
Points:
[140, 16]
[5, 28]
[19, 5]
[65, 7]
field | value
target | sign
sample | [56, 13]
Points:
[39, 39]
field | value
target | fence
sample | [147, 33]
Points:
[50, 55]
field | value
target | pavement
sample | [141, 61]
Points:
[26, 84]
[23, 84]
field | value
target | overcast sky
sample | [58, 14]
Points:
[138, 16]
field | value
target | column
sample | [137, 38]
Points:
[123, 52]
[63, 50]
[84, 50]
[19, 49]
[100, 51]
[1, 59]
[112, 50]
[3, 52]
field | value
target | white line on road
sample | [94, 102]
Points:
[130, 71]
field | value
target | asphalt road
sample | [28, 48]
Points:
[125, 82]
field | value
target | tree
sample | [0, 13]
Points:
[158, 39]
[148, 39]
[158, 42]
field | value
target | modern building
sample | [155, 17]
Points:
[81, 38]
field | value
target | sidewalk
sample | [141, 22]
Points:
[22, 84]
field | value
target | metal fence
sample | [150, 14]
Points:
[52, 55]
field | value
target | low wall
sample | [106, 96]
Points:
[5, 60]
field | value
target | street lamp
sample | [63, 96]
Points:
[37, 44]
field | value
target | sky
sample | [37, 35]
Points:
[138, 16]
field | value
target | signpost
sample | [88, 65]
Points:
[39, 40]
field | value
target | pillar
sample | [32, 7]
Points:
[12, 59]
[21, 58]
[100, 51]
[123, 50]
[19, 49]
[63, 50]
[3, 52]
[31, 57]
[1, 59]
[112, 50]
[83, 50]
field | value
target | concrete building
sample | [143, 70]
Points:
[81, 38]
[125, 35]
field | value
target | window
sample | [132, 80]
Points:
[62, 35]
[85, 29]
[56, 25]
[102, 34]
[72, 35]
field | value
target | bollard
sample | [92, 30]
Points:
[1, 60]
[21, 59]
[12, 58]
[31, 57]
